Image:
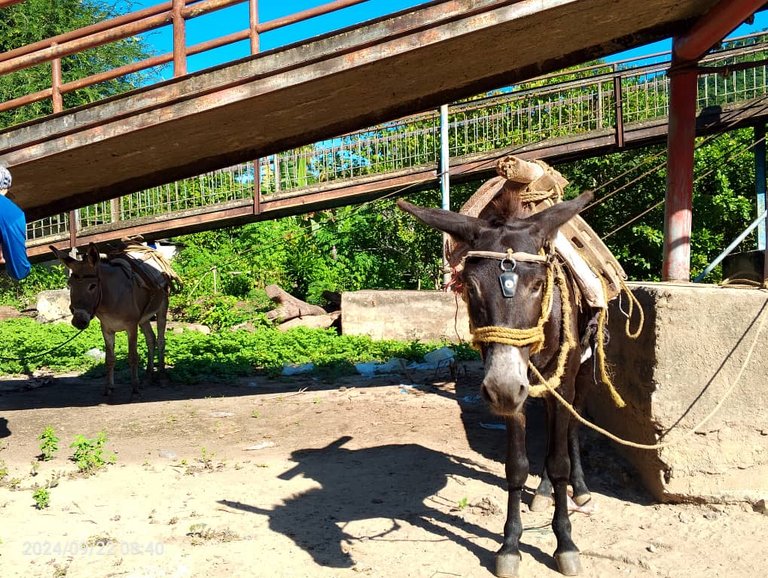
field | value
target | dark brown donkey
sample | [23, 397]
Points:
[123, 299]
[525, 318]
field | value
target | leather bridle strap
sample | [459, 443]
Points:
[510, 255]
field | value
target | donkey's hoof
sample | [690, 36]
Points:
[569, 563]
[582, 499]
[507, 565]
[540, 503]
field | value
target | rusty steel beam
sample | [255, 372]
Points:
[687, 49]
[79, 44]
[713, 27]
[106, 32]
[679, 198]
[179, 39]
[26, 99]
[253, 25]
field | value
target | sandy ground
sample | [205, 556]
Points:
[397, 476]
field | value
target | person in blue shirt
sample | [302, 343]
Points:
[13, 231]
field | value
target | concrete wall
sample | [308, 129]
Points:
[692, 349]
[406, 315]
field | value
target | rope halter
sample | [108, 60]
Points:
[517, 337]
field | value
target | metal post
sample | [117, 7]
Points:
[445, 181]
[760, 186]
[114, 210]
[74, 225]
[759, 139]
[179, 39]
[58, 101]
[277, 173]
[735, 243]
[619, 101]
[257, 187]
[253, 12]
[679, 196]
[599, 105]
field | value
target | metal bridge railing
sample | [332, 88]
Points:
[593, 98]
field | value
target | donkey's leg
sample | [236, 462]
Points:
[149, 338]
[508, 557]
[162, 320]
[559, 470]
[133, 357]
[584, 380]
[542, 499]
[109, 359]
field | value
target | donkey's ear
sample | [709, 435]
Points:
[549, 220]
[62, 256]
[462, 227]
[92, 255]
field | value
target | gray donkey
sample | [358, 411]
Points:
[125, 294]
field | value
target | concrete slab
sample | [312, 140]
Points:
[405, 315]
[691, 357]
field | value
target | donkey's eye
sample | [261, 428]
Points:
[92, 287]
[538, 286]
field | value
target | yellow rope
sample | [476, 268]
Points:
[568, 342]
[600, 355]
[533, 336]
[632, 302]
[507, 336]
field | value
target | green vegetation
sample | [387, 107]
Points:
[42, 497]
[49, 444]
[196, 357]
[89, 453]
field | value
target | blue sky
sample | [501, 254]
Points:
[235, 19]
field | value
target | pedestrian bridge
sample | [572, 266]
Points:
[588, 111]
[273, 101]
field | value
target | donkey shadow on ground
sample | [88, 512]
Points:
[401, 483]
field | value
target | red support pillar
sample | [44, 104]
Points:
[686, 51]
[679, 200]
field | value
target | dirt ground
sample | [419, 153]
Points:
[396, 476]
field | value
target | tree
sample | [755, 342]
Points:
[723, 201]
[35, 20]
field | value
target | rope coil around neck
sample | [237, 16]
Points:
[520, 337]
[534, 336]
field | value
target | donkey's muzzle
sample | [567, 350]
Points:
[506, 399]
[505, 386]
[80, 319]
